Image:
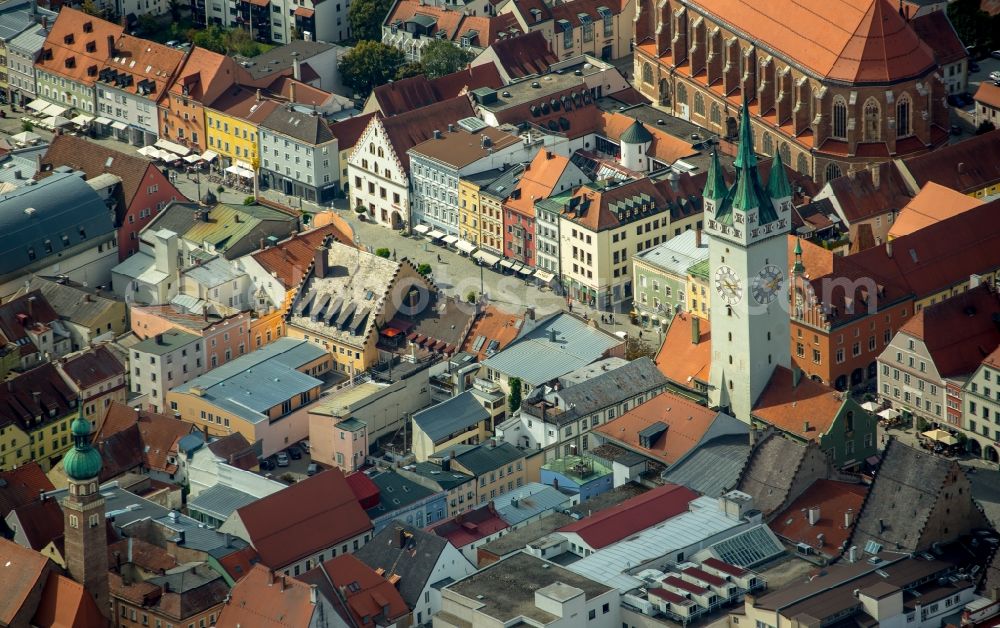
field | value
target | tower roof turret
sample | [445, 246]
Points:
[82, 462]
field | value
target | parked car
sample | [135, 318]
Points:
[282, 459]
[995, 75]
[956, 130]
[954, 100]
[995, 54]
[973, 66]
[266, 464]
[967, 99]
[313, 469]
[295, 453]
[305, 445]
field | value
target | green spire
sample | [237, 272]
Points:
[715, 185]
[777, 181]
[799, 267]
[82, 462]
[746, 157]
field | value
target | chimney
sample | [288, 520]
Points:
[296, 67]
[258, 94]
[695, 330]
[876, 171]
[451, 127]
[437, 134]
[806, 426]
[961, 167]
[529, 313]
[548, 154]
[813, 515]
[111, 45]
[552, 335]
[697, 238]
[262, 244]
[45, 23]
[270, 580]
[400, 538]
[321, 263]
[852, 554]
[849, 518]
[283, 583]
[796, 376]
[888, 248]
[291, 91]
[159, 339]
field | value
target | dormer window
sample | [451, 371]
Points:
[88, 27]
[68, 39]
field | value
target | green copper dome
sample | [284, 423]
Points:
[636, 134]
[82, 462]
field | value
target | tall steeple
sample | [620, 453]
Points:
[85, 529]
[777, 182]
[715, 184]
[746, 157]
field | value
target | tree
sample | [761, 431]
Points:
[175, 10]
[26, 125]
[972, 24]
[368, 65]
[90, 8]
[984, 127]
[424, 269]
[514, 398]
[414, 68]
[471, 297]
[442, 57]
[383, 252]
[366, 17]
[635, 349]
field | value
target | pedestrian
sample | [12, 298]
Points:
[439, 257]
[571, 306]
[394, 254]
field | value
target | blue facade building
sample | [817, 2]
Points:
[581, 475]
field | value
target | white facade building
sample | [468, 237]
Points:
[163, 361]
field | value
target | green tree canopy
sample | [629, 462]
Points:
[366, 17]
[514, 399]
[409, 69]
[974, 26]
[442, 57]
[368, 65]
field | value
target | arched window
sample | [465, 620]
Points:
[647, 73]
[699, 104]
[802, 165]
[371, 147]
[839, 118]
[381, 153]
[682, 93]
[767, 144]
[786, 154]
[903, 116]
[716, 116]
[832, 171]
[873, 121]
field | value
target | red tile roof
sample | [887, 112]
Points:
[790, 408]
[292, 258]
[861, 41]
[988, 94]
[238, 564]
[22, 485]
[30, 311]
[596, 208]
[959, 332]
[966, 166]
[455, 23]
[419, 91]
[469, 527]
[77, 46]
[724, 567]
[860, 199]
[157, 434]
[681, 360]
[23, 573]
[303, 519]
[687, 422]
[349, 131]
[364, 488]
[34, 394]
[361, 593]
[833, 499]
[932, 204]
[537, 182]
[264, 599]
[66, 604]
[936, 30]
[143, 554]
[524, 55]
[41, 522]
[406, 130]
[634, 515]
[494, 325]
[93, 367]
[205, 75]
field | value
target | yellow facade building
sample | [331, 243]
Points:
[232, 126]
[40, 433]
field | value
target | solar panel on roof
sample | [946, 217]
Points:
[494, 345]
[479, 343]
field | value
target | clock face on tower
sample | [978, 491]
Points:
[728, 285]
[767, 284]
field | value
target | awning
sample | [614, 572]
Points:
[38, 104]
[486, 257]
[56, 121]
[465, 246]
[120, 126]
[209, 156]
[421, 228]
[527, 271]
[148, 151]
[508, 264]
[102, 120]
[55, 110]
[304, 12]
[544, 276]
[244, 165]
[240, 172]
[889, 413]
[940, 436]
[172, 147]
[82, 119]
[390, 332]
[435, 234]
[870, 406]
[192, 158]
[450, 239]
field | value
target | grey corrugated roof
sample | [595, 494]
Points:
[713, 467]
[608, 389]
[60, 205]
[168, 341]
[533, 499]
[220, 501]
[447, 480]
[677, 254]
[32, 39]
[452, 416]
[21, 165]
[537, 359]
[281, 58]
[15, 17]
[215, 272]
[485, 458]
[311, 129]
[71, 303]
[395, 493]
[414, 566]
[502, 186]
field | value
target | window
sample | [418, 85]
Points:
[832, 171]
[839, 118]
[716, 114]
[567, 35]
[903, 116]
[873, 121]
[699, 104]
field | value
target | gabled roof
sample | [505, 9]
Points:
[21, 486]
[771, 471]
[40, 392]
[305, 127]
[71, 302]
[959, 332]
[932, 204]
[41, 522]
[524, 55]
[936, 30]
[598, 207]
[492, 331]
[419, 91]
[483, 458]
[860, 199]
[95, 159]
[267, 599]
[538, 181]
[407, 552]
[834, 500]
[988, 94]
[76, 43]
[681, 423]
[469, 527]
[66, 604]
[453, 23]
[357, 592]
[290, 259]
[681, 360]
[303, 519]
[22, 574]
[91, 367]
[965, 166]
[156, 434]
[806, 410]
[452, 416]
[862, 41]
[204, 75]
[349, 131]
[28, 312]
[406, 130]
[611, 386]
[638, 513]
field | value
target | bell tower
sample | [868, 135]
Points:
[85, 530]
[747, 226]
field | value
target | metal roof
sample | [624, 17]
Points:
[484, 458]
[704, 520]
[220, 501]
[713, 467]
[450, 417]
[167, 342]
[677, 254]
[536, 358]
[396, 493]
[46, 219]
[748, 548]
[214, 272]
[15, 17]
[31, 40]
[528, 501]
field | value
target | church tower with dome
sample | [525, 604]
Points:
[85, 530]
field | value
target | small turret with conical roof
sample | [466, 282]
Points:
[82, 462]
[635, 142]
